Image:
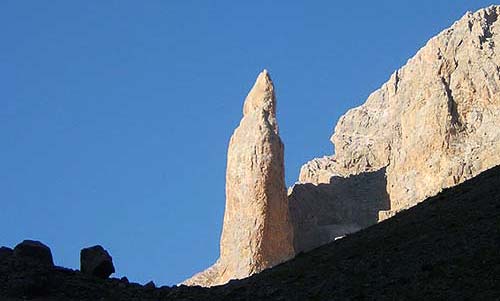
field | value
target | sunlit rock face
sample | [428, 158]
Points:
[257, 233]
[434, 124]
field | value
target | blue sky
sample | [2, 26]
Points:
[116, 115]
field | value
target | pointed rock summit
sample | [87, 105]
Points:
[257, 233]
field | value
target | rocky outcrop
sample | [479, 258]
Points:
[5, 252]
[150, 285]
[96, 261]
[35, 251]
[433, 125]
[321, 213]
[257, 233]
[445, 248]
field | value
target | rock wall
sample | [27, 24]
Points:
[320, 213]
[433, 125]
[257, 233]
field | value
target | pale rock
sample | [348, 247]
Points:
[433, 125]
[257, 233]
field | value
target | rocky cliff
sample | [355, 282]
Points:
[433, 125]
[257, 233]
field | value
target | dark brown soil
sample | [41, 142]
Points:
[447, 247]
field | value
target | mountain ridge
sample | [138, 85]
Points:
[445, 247]
[415, 175]
[432, 125]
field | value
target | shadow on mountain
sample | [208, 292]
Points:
[444, 248]
[321, 213]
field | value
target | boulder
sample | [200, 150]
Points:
[96, 261]
[5, 252]
[150, 285]
[34, 251]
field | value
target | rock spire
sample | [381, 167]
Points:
[257, 233]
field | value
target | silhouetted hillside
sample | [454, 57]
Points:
[447, 247]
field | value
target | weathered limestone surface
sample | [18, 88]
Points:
[257, 233]
[320, 213]
[434, 124]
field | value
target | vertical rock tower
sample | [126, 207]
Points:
[257, 233]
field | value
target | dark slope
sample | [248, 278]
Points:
[446, 247]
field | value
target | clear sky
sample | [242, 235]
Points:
[115, 115]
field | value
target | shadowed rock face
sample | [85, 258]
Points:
[445, 248]
[96, 261]
[257, 233]
[35, 251]
[320, 213]
[433, 125]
